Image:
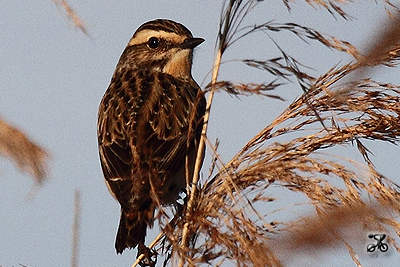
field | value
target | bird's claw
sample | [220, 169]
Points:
[150, 256]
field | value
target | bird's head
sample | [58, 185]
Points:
[161, 45]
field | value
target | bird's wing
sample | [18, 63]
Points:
[115, 153]
[176, 124]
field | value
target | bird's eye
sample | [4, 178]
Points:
[153, 42]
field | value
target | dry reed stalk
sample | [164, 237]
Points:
[71, 15]
[76, 226]
[223, 221]
[27, 156]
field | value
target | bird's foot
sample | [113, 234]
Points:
[150, 256]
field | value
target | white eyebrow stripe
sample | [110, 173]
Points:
[143, 36]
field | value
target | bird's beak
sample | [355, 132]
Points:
[191, 43]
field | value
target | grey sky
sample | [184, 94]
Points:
[53, 77]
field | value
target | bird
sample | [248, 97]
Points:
[149, 126]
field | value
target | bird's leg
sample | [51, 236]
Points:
[150, 256]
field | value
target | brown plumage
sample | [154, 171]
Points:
[149, 122]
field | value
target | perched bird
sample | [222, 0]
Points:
[149, 125]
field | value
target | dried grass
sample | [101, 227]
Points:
[27, 156]
[71, 15]
[224, 222]
[76, 226]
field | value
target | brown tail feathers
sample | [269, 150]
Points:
[131, 230]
